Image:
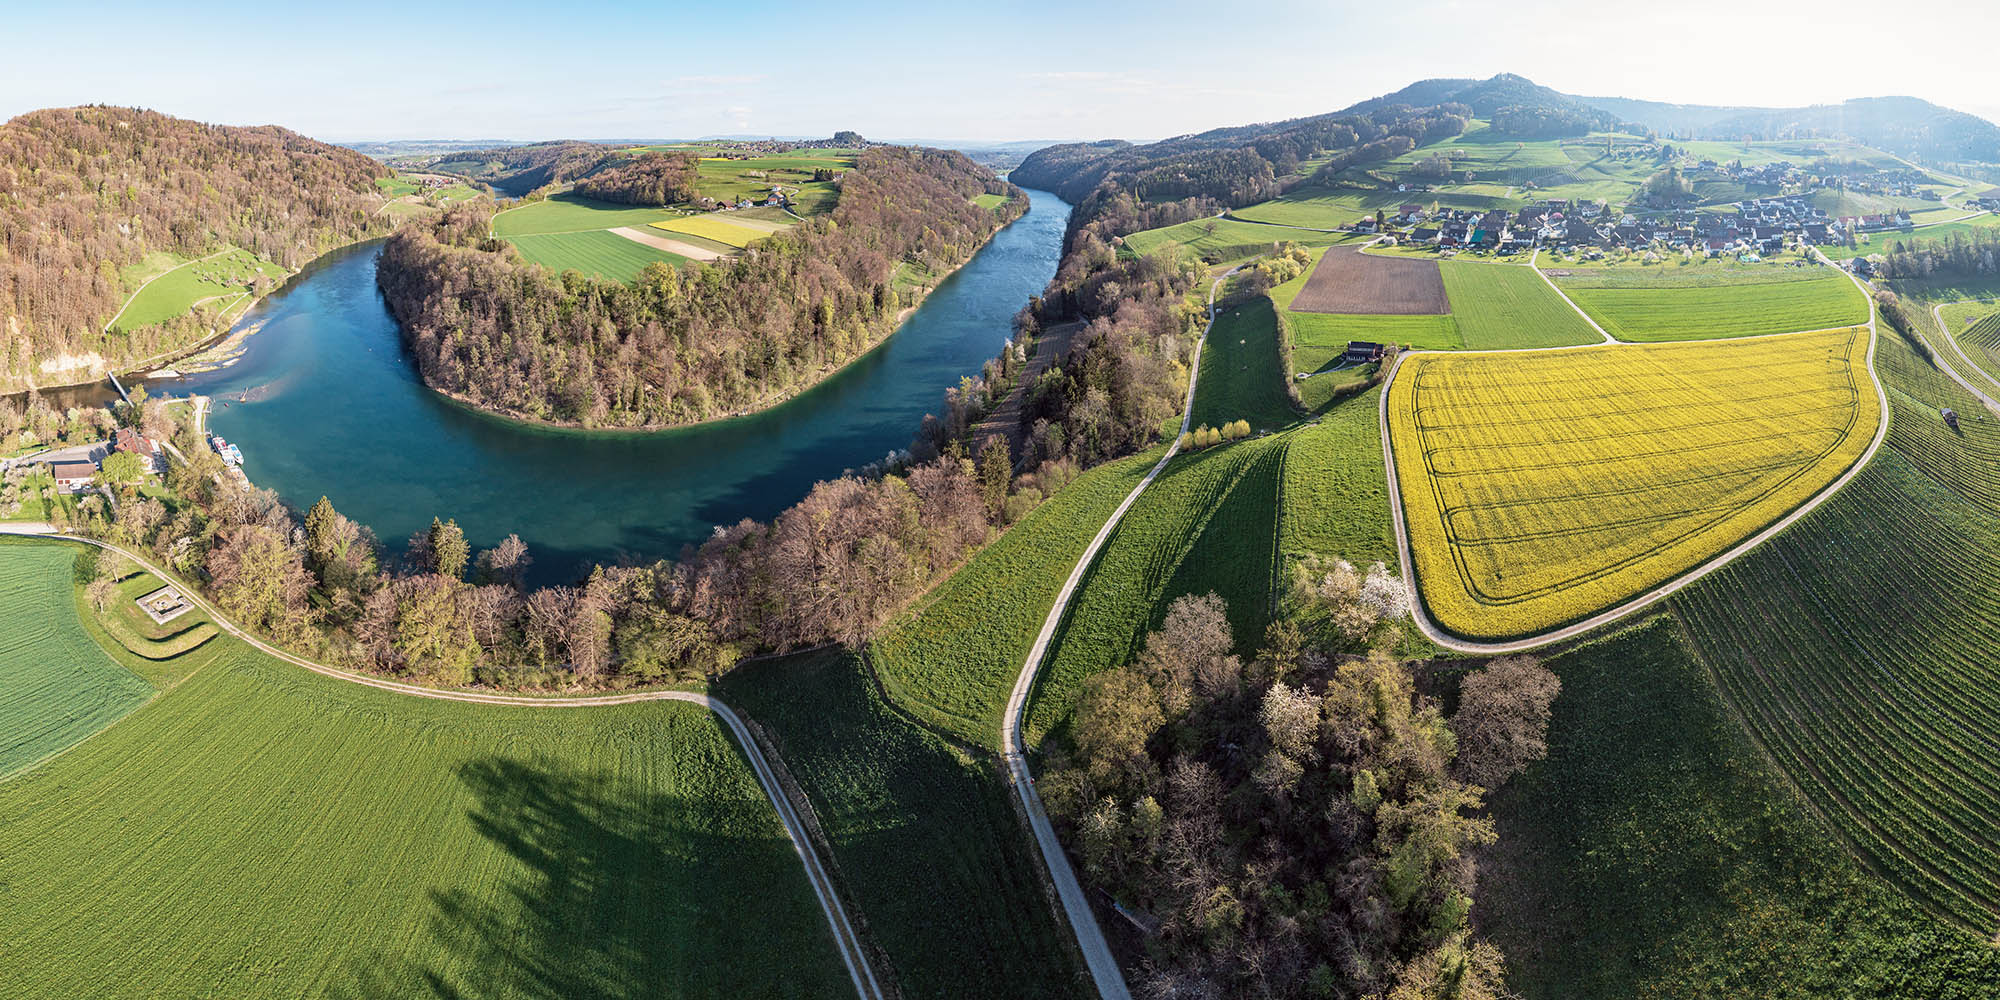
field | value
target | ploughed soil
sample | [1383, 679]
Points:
[1349, 281]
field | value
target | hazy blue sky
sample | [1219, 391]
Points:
[943, 70]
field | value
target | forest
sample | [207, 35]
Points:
[680, 346]
[1974, 254]
[85, 191]
[646, 179]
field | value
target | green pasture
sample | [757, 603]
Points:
[568, 213]
[990, 202]
[175, 292]
[1668, 302]
[303, 836]
[597, 253]
[1335, 493]
[1500, 306]
[396, 186]
[1241, 378]
[951, 660]
[1331, 208]
[732, 180]
[60, 686]
[1219, 240]
[1868, 244]
[924, 834]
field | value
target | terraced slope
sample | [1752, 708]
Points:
[56, 686]
[1540, 487]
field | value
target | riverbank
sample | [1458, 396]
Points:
[765, 403]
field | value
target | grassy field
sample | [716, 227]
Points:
[709, 227]
[1656, 853]
[128, 627]
[1240, 377]
[924, 835]
[1226, 240]
[951, 661]
[1498, 306]
[1666, 302]
[1542, 487]
[1208, 524]
[1882, 243]
[263, 831]
[598, 254]
[176, 292]
[732, 180]
[1335, 499]
[565, 213]
[61, 687]
[990, 202]
[1319, 339]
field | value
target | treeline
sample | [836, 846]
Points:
[521, 170]
[1961, 254]
[1300, 824]
[1541, 122]
[646, 179]
[86, 191]
[682, 346]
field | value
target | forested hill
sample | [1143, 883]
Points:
[1902, 125]
[680, 346]
[87, 191]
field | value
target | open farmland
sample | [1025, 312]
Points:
[924, 836]
[1667, 302]
[1500, 306]
[303, 836]
[568, 213]
[1240, 376]
[1542, 487]
[1221, 240]
[1349, 281]
[1982, 342]
[1335, 493]
[60, 687]
[598, 254]
[219, 281]
[710, 227]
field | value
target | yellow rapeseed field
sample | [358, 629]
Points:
[1540, 487]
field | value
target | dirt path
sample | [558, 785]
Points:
[844, 936]
[1651, 597]
[688, 250]
[1089, 937]
[1005, 420]
[1532, 258]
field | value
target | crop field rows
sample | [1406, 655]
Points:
[1541, 487]
[1499, 306]
[710, 228]
[302, 836]
[1654, 304]
[598, 254]
[1224, 240]
[1207, 524]
[1860, 654]
[1335, 493]
[1962, 459]
[60, 687]
[1982, 342]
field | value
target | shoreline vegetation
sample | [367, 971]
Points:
[683, 346]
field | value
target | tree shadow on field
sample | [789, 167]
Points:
[597, 898]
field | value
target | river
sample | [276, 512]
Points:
[325, 401]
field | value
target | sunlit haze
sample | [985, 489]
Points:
[1019, 71]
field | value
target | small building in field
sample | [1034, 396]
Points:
[73, 476]
[1361, 352]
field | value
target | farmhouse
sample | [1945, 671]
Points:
[1361, 352]
[73, 476]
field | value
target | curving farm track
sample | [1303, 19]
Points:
[844, 936]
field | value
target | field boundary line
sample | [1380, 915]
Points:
[846, 941]
[1097, 954]
[1434, 633]
[1532, 262]
[127, 304]
[1937, 313]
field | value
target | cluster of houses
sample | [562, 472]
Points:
[1757, 226]
[76, 476]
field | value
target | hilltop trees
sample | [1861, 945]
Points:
[646, 179]
[1299, 825]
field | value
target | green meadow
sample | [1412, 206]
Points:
[597, 253]
[568, 213]
[61, 687]
[1666, 302]
[1221, 240]
[221, 281]
[1501, 306]
[259, 830]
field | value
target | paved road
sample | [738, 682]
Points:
[1089, 937]
[1937, 313]
[844, 936]
[1536, 256]
[1651, 597]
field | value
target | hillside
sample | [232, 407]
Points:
[1904, 125]
[92, 196]
[1495, 99]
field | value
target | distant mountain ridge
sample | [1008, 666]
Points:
[1488, 98]
[1906, 125]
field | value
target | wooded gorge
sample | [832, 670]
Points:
[86, 191]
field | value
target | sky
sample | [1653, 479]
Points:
[591, 69]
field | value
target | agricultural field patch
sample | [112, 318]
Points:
[264, 831]
[218, 282]
[990, 202]
[1345, 280]
[733, 179]
[1221, 240]
[1658, 853]
[709, 227]
[1981, 341]
[1208, 524]
[924, 835]
[1660, 303]
[1504, 306]
[951, 660]
[599, 254]
[568, 213]
[1240, 375]
[1542, 487]
[1869, 244]
[60, 687]
[1335, 494]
